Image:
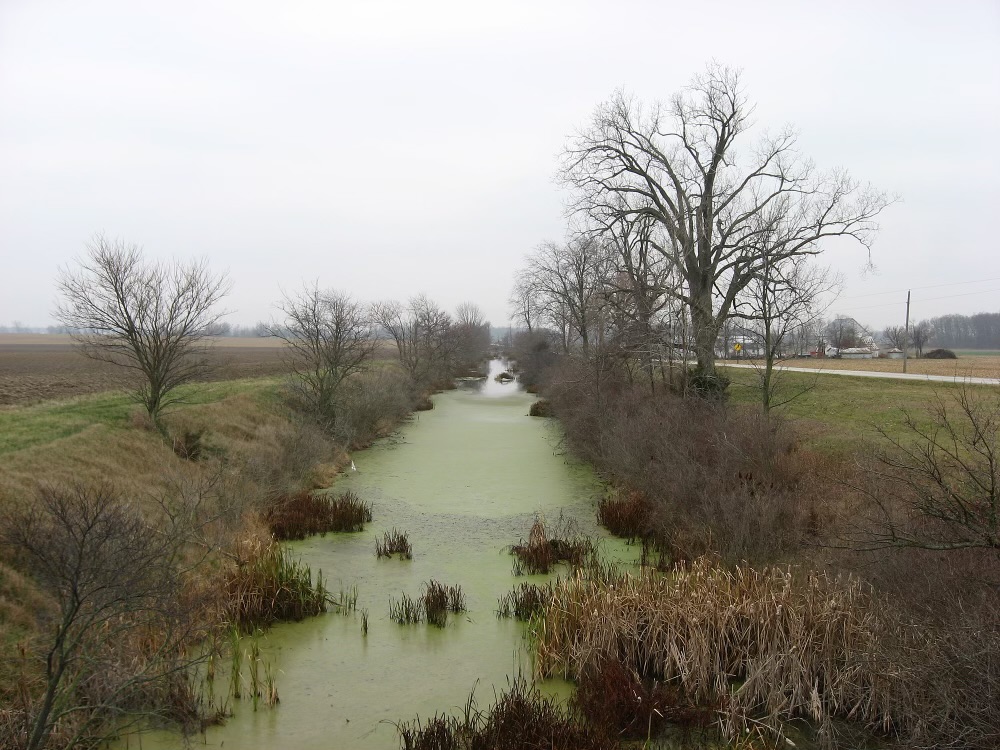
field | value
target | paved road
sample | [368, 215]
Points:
[869, 374]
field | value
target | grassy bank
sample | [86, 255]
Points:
[838, 412]
[78, 474]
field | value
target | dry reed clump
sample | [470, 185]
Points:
[394, 543]
[266, 586]
[540, 552]
[758, 645]
[519, 718]
[434, 605]
[625, 513]
[540, 408]
[614, 699]
[306, 513]
[525, 601]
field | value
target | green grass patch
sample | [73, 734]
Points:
[27, 426]
[840, 411]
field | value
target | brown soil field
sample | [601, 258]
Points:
[985, 366]
[38, 367]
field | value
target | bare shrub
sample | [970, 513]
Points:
[119, 640]
[940, 354]
[370, 406]
[718, 479]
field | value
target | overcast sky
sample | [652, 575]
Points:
[390, 148]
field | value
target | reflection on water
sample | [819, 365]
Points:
[489, 386]
[465, 481]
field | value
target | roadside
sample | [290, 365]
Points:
[971, 380]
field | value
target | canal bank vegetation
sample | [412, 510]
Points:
[125, 562]
[749, 522]
[863, 535]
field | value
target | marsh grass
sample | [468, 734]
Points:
[540, 553]
[525, 601]
[433, 605]
[306, 513]
[625, 513]
[439, 599]
[394, 543]
[266, 585]
[519, 718]
[755, 647]
[406, 610]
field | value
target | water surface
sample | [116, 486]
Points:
[465, 481]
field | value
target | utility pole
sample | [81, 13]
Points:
[906, 331]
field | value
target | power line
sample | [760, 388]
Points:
[928, 299]
[930, 286]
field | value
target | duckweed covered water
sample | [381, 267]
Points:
[465, 480]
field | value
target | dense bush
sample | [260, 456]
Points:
[940, 354]
[718, 479]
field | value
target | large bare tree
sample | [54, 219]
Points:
[329, 337]
[422, 333]
[151, 318]
[682, 164]
[567, 280]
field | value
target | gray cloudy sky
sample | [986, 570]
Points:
[389, 148]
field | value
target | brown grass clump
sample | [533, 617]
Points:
[758, 645]
[625, 513]
[540, 408]
[434, 605]
[540, 553]
[614, 699]
[520, 719]
[266, 586]
[394, 543]
[525, 601]
[305, 513]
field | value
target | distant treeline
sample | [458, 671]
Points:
[979, 331]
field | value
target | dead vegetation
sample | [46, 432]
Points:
[540, 553]
[307, 513]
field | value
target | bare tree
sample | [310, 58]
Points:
[567, 280]
[939, 486]
[896, 336]
[524, 302]
[471, 332]
[920, 334]
[421, 332]
[843, 332]
[787, 296]
[150, 318]
[329, 338]
[639, 286]
[115, 579]
[680, 165]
